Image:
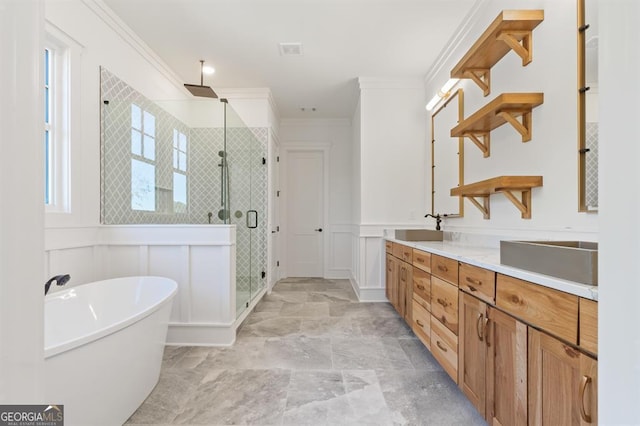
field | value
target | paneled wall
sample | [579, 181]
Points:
[201, 259]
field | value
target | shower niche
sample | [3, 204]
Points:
[188, 161]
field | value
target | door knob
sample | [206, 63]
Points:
[318, 230]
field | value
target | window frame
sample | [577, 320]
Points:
[57, 156]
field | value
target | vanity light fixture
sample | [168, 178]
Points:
[443, 93]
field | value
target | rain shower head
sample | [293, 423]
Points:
[200, 90]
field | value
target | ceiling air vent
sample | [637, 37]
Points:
[290, 49]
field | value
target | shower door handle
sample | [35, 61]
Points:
[252, 219]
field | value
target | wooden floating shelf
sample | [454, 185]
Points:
[511, 30]
[506, 108]
[505, 185]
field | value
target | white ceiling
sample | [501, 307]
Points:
[342, 40]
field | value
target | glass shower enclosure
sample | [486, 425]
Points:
[185, 162]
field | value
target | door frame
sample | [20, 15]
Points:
[285, 150]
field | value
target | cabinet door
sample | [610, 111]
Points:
[506, 369]
[392, 280]
[472, 350]
[405, 290]
[402, 288]
[389, 278]
[557, 387]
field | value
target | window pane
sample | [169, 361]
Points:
[175, 158]
[149, 150]
[47, 170]
[47, 103]
[182, 163]
[183, 142]
[47, 66]
[175, 138]
[136, 142]
[149, 124]
[179, 193]
[136, 117]
[143, 186]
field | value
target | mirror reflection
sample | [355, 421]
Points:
[588, 114]
[447, 157]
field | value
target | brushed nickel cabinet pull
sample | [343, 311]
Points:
[419, 323]
[440, 346]
[420, 287]
[479, 327]
[442, 302]
[583, 387]
[442, 268]
[419, 260]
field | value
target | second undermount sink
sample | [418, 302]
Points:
[418, 235]
[570, 260]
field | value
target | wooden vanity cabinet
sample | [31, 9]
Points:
[405, 290]
[391, 284]
[492, 357]
[563, 383]
[399, 278]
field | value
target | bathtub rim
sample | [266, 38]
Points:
[67, 345]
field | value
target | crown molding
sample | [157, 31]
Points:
[250, 93]
[389, 83]
[113, 21]
[456, 39]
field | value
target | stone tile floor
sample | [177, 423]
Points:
[309, 354]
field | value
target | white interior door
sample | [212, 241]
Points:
[305, 213]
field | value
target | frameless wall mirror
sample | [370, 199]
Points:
[447, 157]
[588, 105]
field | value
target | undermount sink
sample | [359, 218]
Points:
[418, 235]
[570, 260]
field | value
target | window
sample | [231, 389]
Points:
[179, 172]
[48, 178]
[143, 159]
[56, 83]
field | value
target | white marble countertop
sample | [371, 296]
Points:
[489, 258]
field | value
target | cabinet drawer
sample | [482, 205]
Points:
[422, 285]
[388, 245]
[589, 325]
[444, 347]
[542, 307]
[403, 252]
[445, 268]
[426, 304]
[478, 281]
[422, 260]
[444, 303]
[421, 324]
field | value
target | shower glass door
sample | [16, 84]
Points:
[246, 155]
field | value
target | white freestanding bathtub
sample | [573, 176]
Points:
[103, 347]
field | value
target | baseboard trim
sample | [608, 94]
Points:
[184, 334]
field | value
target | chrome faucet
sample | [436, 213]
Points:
[438, 219]
[58, 279]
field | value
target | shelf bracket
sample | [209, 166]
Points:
[520, 42]
[481, 76]
[523, 128]
[523, 205]
[484, 207]
[484, 144]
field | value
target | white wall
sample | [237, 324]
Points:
[392, 152]
[336, 134]
[390, 173]
[21, 203]
[552, 151]
[619, 269]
